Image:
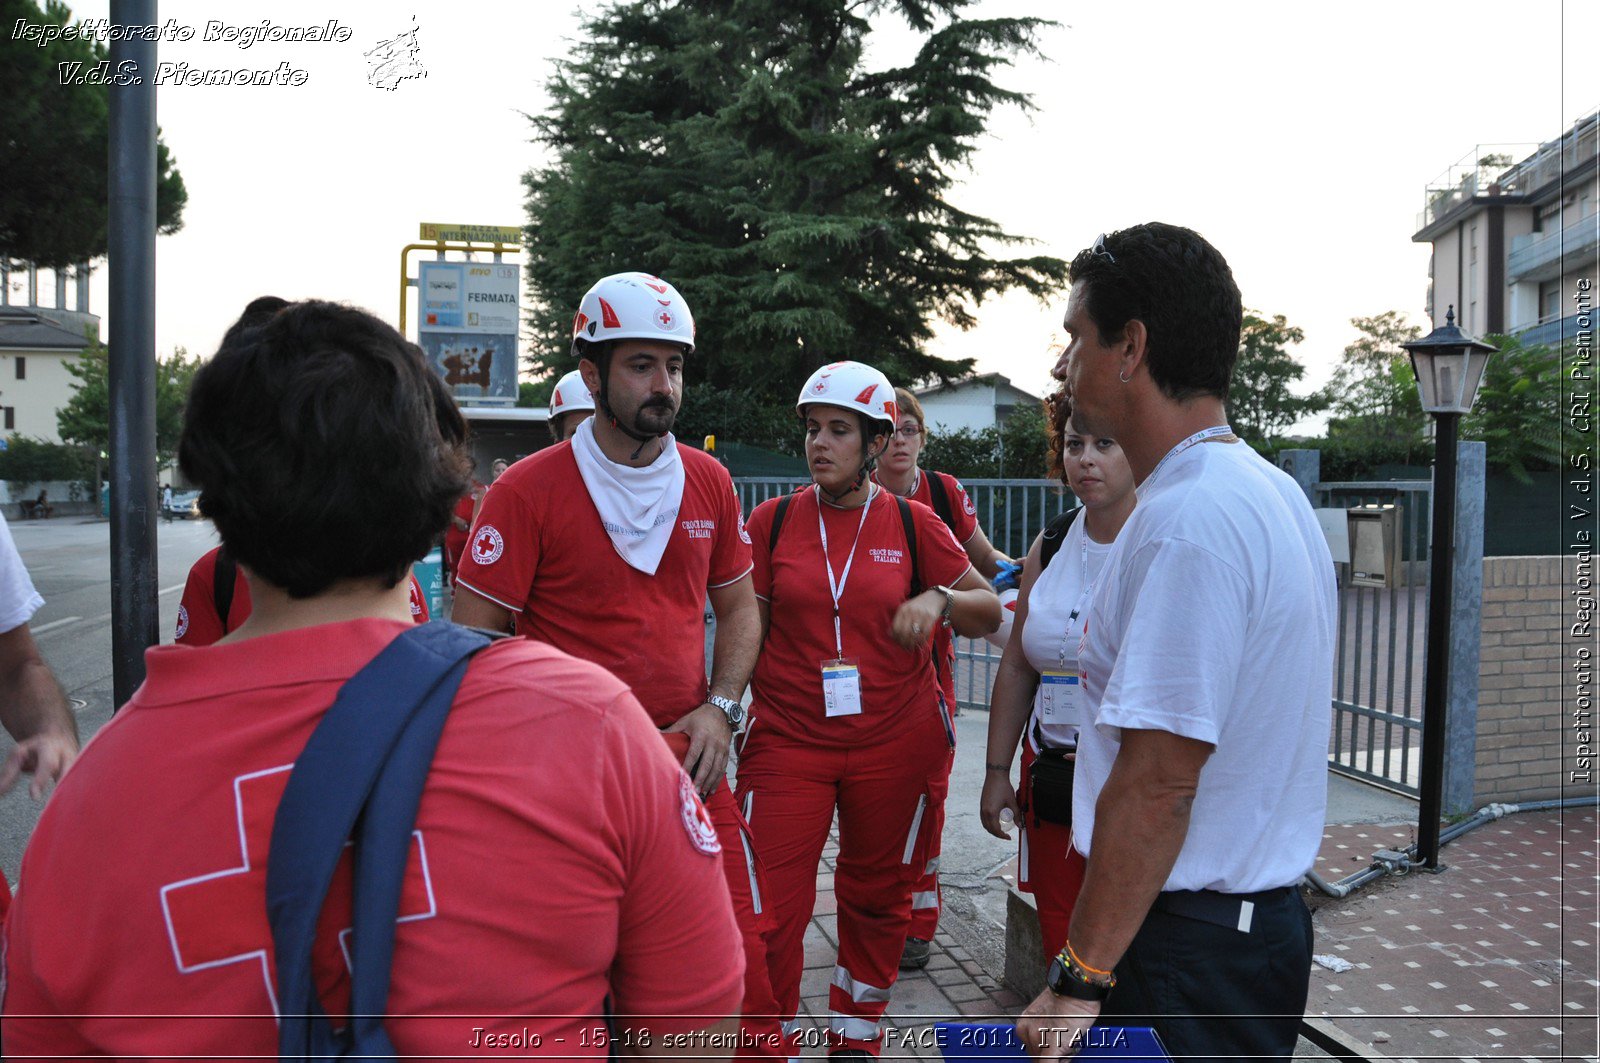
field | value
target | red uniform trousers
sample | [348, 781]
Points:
[1048, 866]
[789, 791]
[761, 1035]
[925, 896]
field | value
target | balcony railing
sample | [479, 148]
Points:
[1549, 331]
[1539, 252]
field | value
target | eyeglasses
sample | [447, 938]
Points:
[909, 431]
[1099, 248]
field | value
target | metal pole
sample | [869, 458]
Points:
[132, 371]
[1436, 675]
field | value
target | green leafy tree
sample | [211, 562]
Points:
[1016, 449]
[1261, 403]
[1374, 392]
[53, 159]
[1518, 414]
[86, 418]
[799, 199]
[536, 393]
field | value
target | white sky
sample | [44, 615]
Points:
[1298, 138]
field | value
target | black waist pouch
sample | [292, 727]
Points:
[1050, 786]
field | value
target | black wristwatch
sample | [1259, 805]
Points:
[731, 709]
[1067, 979]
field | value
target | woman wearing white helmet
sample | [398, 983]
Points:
[848, 716]
[1036, 686]
[570, 405]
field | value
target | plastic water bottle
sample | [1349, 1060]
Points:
[1008, 820]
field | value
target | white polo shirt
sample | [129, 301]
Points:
[1214, 619]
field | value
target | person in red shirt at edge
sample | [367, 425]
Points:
[562, 857]
[847, 712]
[608, 545]
[215, 584]
[943, 494]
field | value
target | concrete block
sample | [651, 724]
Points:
[1025, 958]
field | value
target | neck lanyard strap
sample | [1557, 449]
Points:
[836, 587]
[1199, 437]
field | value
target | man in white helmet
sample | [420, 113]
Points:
[606, 546]
[570, 405]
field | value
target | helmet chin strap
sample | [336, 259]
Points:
[604, 403]
[869, 462]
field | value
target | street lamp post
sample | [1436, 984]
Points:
[1449, 365]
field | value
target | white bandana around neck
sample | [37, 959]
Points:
[638, 507]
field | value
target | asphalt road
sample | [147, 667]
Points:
[70, 562]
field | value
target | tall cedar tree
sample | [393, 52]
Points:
[799, 201]
[53, 158]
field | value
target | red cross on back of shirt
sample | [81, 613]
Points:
[219, 919]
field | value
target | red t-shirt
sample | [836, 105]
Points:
[561, 856]
[455, 539]
[897, 685]
[539, 550]
[964, 518]
[963, 514]
[198, 622]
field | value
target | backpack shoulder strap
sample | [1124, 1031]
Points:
[223, 575]
[777, 522]
[941, 499]
[910, 527]
[1055, 533]
[361, 773]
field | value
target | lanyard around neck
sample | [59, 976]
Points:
[1199, 437]
[836, 587]
[1082, 526]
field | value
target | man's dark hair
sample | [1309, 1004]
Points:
[324, 447]
[1180, 286]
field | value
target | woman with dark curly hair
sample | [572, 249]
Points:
[1037, 686]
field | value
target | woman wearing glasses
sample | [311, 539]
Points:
[942, 493]
[1036, 686]
[847, 714]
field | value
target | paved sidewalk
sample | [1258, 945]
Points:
[1493, 958]
[953, 986]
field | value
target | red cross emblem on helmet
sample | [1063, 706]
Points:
[664, 318]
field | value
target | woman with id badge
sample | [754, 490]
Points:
[847, 716]
[1037, 687]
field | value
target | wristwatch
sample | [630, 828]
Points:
[731, 709]
[949, 604]
[1067, 979]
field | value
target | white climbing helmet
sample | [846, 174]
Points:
[853, 386]
[570, 396]
[1008, 613]
[634, 306]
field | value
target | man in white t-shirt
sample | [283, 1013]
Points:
[33, 708]
[1207, 670]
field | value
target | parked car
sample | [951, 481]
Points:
[186, 504]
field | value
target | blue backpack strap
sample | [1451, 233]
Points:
[361, 774]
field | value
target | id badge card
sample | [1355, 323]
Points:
[1059, 692]
[841, 688]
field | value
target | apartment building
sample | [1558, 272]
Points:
[36, 343]
[1515, 235]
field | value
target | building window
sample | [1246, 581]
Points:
[1549, 300]
[22, 368]
[11, 418]
[1473, 246]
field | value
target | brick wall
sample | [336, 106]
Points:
[1525, 740]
